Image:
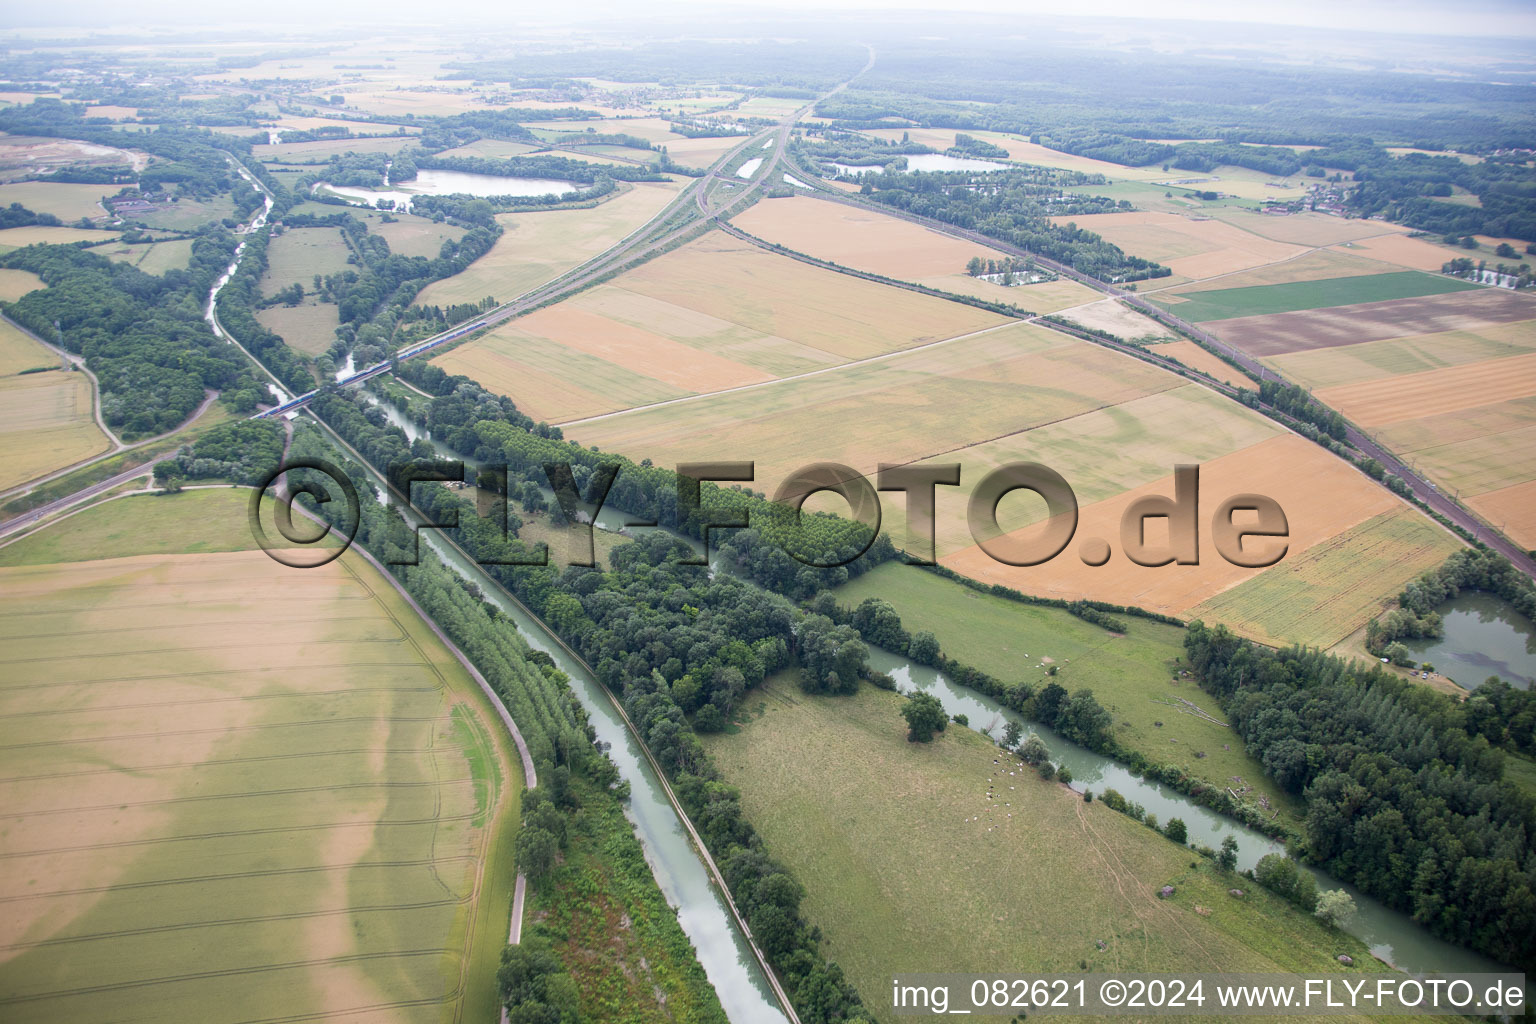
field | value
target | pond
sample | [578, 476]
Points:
[932, 162]
[749, 168]
[1484, 636]
[444, 183]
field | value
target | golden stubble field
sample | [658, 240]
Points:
[238, 790]
[712, 315]
[1189, 246]
[46, 421]
[537, 247]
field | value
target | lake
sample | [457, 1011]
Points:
[932, 162]
[446, 183]
[1484, 636]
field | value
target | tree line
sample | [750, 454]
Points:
[1403, 800]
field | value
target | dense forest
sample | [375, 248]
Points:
[1019, 207]
[143, 336]
[1404, 799]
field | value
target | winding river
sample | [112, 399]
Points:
[1392, 936]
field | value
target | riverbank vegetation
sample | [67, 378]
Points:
[1403, 799]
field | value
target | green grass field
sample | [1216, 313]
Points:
[309, 327]
[298, 254]
[255, 791]
[1225, 303]
[155, 258]
[1126, 673]
[910, 867]
[189, 214]
[1329, 591]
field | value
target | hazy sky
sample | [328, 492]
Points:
[1499, 18]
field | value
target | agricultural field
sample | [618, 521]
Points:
[1102, 453]
[321, 151]
[189, 214]
[1037, 879]
[1315, 265]
[1308, 228]
[536, 247]
[862, 239]
[1305, 330]
[309, 327]
[910, 406]
[1007, 639]
[46, 422]
[1334, 498]
[1415, 253]
[1127, 324]
[1041, 297]
[16, 283]
[414, 236]
[312, 707]
[15, 238]
[1230, 303]
[1335, 587]
[19, 352]
[714, 314]
[298, 254]
[67, 202]
[1191, 247]
[1199, 358]
[155, 258]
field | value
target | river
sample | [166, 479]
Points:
[1391, 935]
[727, 960]
[209, 312]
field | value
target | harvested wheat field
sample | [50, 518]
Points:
[1187, 246]
[1319, 264]
[18, 351]
[903, 408]
[1326, 593]
[46, 422]
[16, 283]
[537, 247]
[710, 316]
[1101, 453]
[1198, 358]
[1379, 403]
[1043, 297]
[1308, 228]
[1372, 360]
[1118, 319]
[861, 239]
[1511, 509]
[256, 792]
[1278, 333]
[1321, 494]
[1414, 253]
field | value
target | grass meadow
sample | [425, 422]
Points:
[1127, 673]
[903, 855]
[256, 792]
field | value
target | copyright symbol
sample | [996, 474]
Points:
[311, 535]
[1112, 992]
